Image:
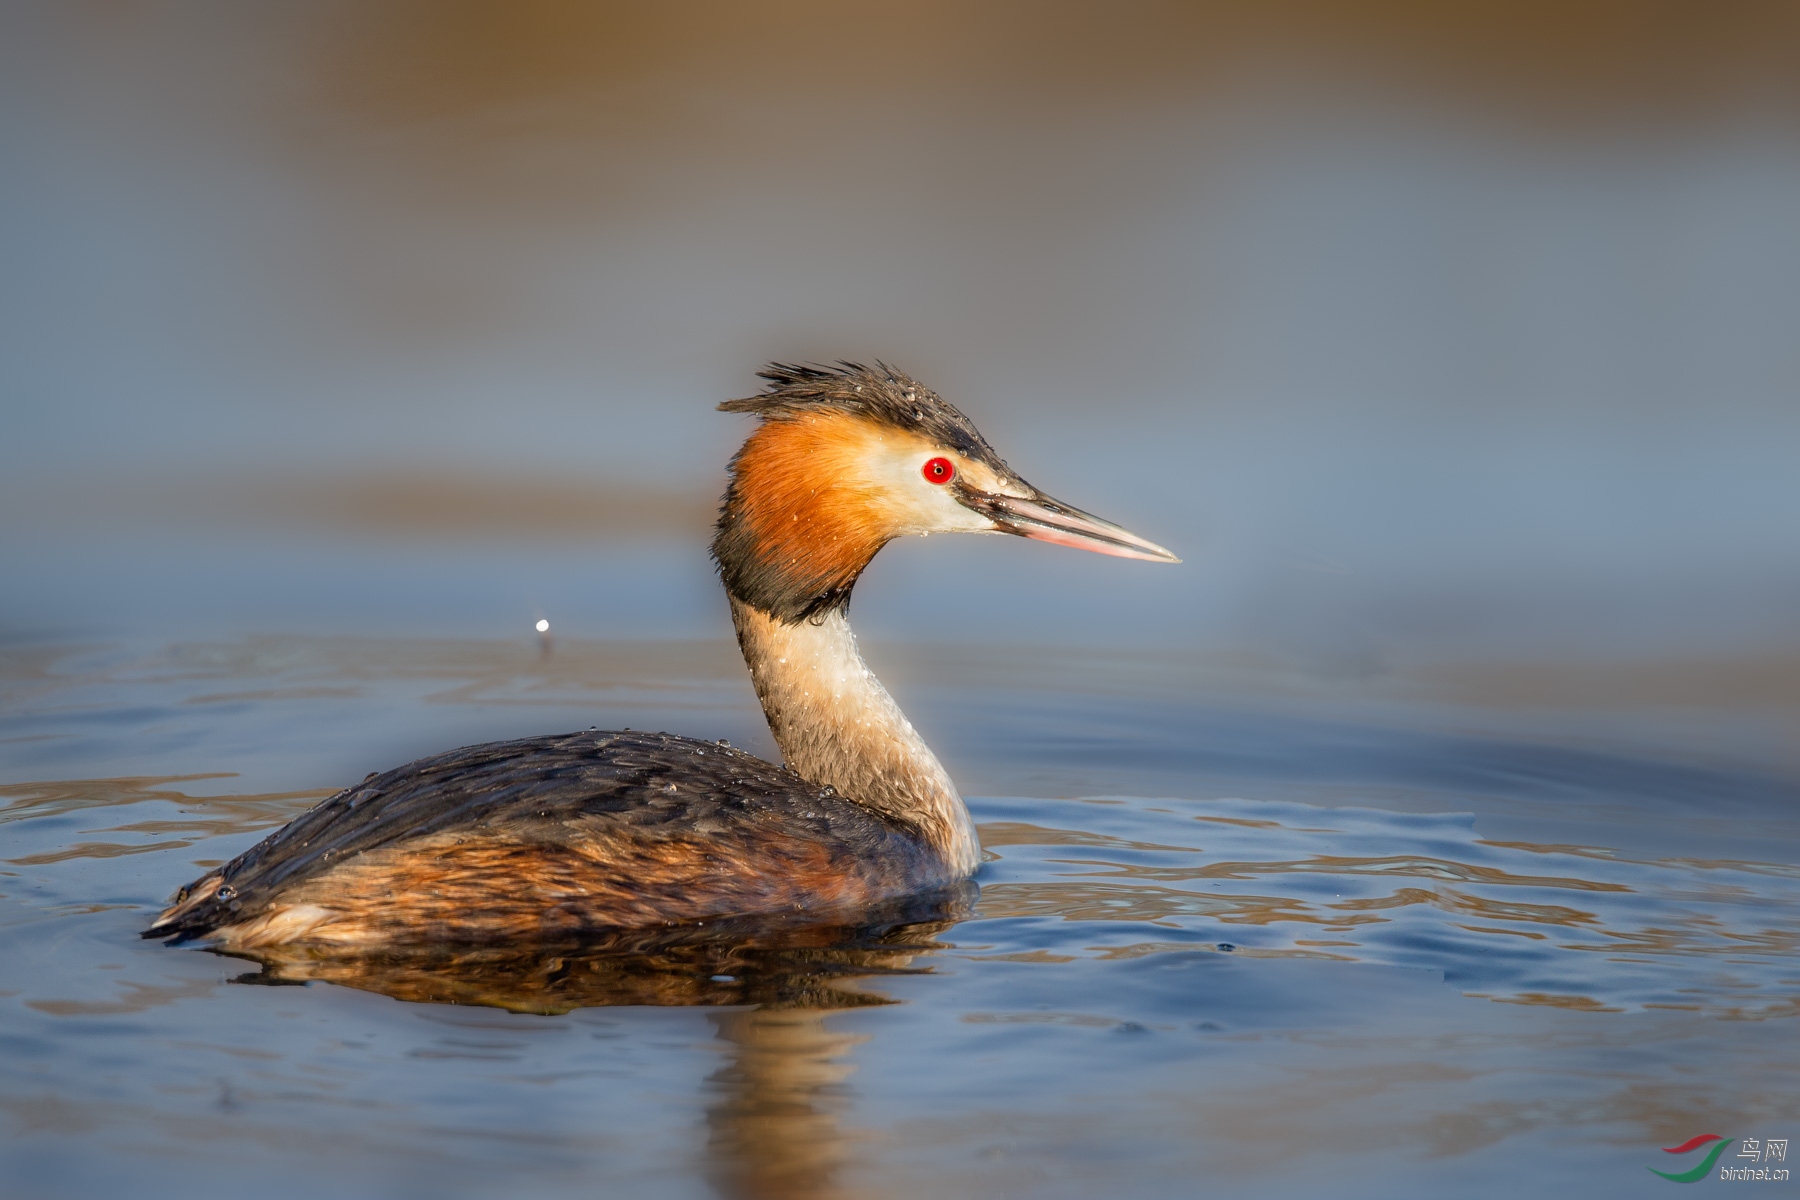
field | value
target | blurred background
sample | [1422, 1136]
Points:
[1454, 346]
[1422, 332]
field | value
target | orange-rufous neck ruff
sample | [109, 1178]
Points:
[813, 496]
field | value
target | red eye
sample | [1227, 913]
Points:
[939, 470]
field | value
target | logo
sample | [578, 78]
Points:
[1706, 1164]
[1754, 1149]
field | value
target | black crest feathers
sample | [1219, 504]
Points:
[879, 394]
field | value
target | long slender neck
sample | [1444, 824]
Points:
[837, 725]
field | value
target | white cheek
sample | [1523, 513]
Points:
[922, 506]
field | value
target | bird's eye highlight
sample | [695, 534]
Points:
[939, 470]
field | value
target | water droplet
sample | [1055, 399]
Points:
[226, 892]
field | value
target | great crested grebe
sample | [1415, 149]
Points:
[572, 833]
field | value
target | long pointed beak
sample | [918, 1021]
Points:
[1047, 520]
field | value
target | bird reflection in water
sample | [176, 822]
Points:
[773, 1128]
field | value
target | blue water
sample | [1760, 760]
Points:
[1264, 945]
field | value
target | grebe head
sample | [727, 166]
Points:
[847, 459]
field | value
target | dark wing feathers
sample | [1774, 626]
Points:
[540, 787]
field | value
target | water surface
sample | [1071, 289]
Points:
[1232, 932]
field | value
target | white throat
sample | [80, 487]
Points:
[837, 725]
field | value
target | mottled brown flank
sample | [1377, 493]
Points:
[468, 887]
[552, 835]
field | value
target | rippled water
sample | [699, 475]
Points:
[1233, 933]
